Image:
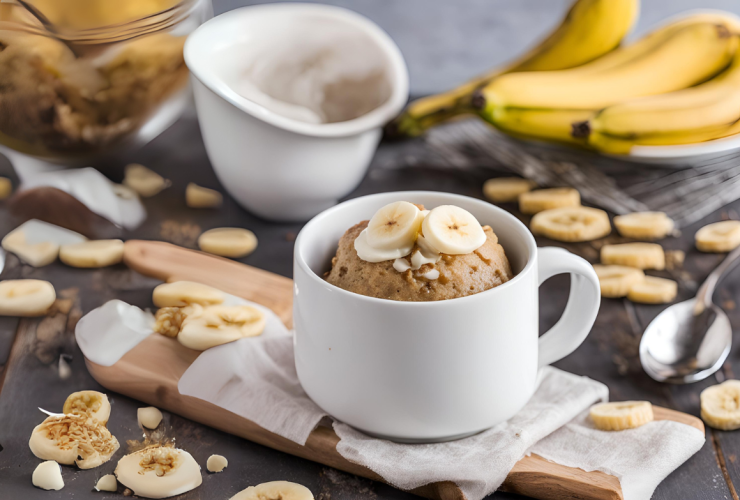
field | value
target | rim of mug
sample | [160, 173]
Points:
[300, 260]
[399, 78]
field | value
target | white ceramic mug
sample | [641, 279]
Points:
[279, 168]
[431, 371]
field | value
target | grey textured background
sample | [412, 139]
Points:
[447, 41]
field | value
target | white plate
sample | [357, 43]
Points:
[685, 155]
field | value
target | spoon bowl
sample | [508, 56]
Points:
[681, 347]
[690, 340]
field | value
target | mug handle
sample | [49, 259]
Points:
[582, 307]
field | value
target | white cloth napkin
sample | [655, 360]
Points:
[640, 458]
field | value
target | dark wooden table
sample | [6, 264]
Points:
[30, 348]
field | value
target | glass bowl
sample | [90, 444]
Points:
[82, 79]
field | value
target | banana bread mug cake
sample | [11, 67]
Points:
[407, 253]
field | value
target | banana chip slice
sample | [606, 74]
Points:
[199, 197]
[720, 405]
[185, 293]
[621, 415]
[73, 439]
[92, 403]
[617, 281]
[652, 290]
[644, 225]
[719, 237]
[93, 253]
[506, 189]
[218, 325]
[159, 472]
[35, 254]
[639, 255]
[232, 242]
[571, 224]
[546, 199]
[144, 181]
[275, 490]
[26, 297]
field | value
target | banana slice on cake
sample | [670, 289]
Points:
[26, 297]
[506, 189]
[218, 325]
[653, 290]
[644, 225]
[275, 490]
[396, 225]
[617, 281]
[93, 253]
[453, 230]
[571, 224]
[185, 293]
[546, 199]
[621, 415]
[718, 237]
[639, 255]
[92, 403]
[720, 405]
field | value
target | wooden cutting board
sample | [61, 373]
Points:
[150, 373]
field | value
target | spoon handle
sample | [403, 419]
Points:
[704, 295]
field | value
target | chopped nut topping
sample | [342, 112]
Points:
[169, 320]
[160, 459]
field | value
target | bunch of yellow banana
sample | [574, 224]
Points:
[590, 29]
[584, 105]
[701, 113]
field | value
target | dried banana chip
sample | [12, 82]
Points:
[652, 290]
[639, 255]
[93, 253]
[283, 490]
[26, 297]
[621, 415]
[572, 224]
[199, 197]
[232, 242]
[91, 403]
[616, 281]
[144, 181]
[159, 472]
[34, 254]
[719, 237]
[720, 405]
[73, 439]
[644, 225]
[185, 293]
[218, 325]
[546, 199]
[506, 189]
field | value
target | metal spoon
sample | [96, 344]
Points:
[690, 340]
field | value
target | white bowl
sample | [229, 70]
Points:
[274, 166]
